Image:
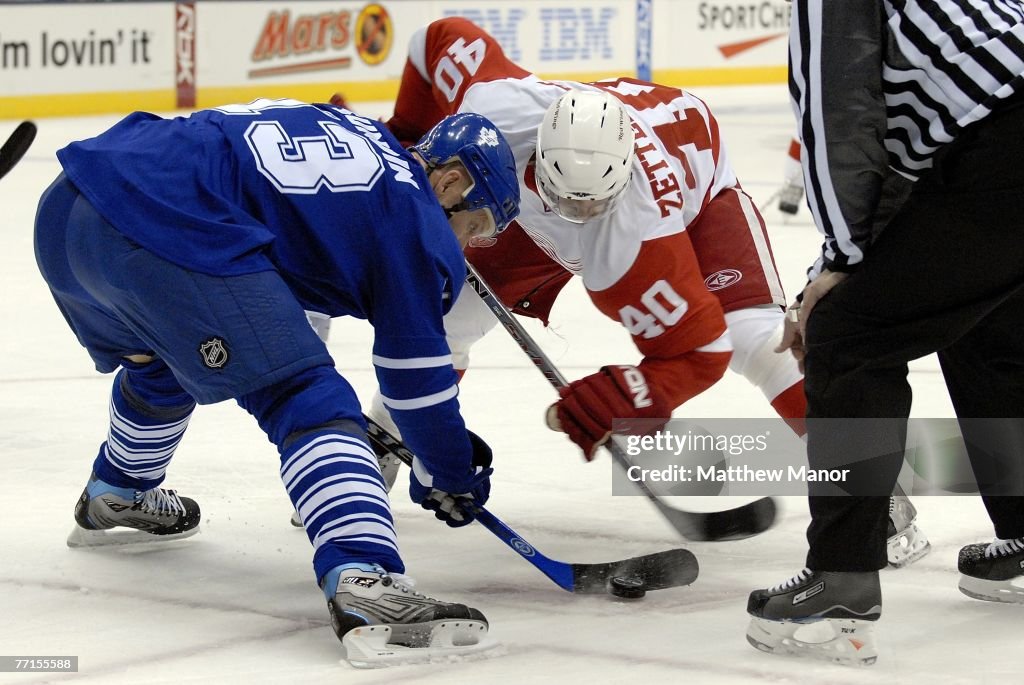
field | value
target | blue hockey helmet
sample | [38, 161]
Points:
[478, 144]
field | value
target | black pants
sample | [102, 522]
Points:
[946, 276]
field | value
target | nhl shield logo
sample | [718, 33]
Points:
[214, 353]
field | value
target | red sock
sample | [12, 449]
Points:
[791, 404]
[794, 149]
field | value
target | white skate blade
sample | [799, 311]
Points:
[368, 647]
[907, 546]
[1007, 591]
[83, 537]
[843, 641]
[296, 519]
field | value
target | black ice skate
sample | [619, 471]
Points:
[109, 515]
[382, 621]
[906, 542]
[993, 572]
[819, 614]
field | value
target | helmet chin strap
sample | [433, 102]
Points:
[449, 211]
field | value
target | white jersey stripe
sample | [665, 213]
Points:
[764, 252]
[423, 401]
[412, 362]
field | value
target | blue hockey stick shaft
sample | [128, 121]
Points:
[558, 571]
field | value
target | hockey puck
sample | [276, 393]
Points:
[624, 587]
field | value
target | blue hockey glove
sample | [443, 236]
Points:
[452, 502]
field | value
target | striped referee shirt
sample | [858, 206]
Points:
[879, 86]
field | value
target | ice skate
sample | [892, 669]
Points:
[993, 572]
[109, 515]
[906, 542]
[790, 196]
[818, 614]
[382, 621]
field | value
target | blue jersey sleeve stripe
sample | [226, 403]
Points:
[412, 362]
[422, 401]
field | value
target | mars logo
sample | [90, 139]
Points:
[374, 34]
[305, 35]
[214, 353]
[722, 279]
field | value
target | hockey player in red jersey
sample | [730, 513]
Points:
[670, 244]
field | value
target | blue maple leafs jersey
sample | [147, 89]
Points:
[325, 197]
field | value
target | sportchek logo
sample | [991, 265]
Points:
[763, 17]
[808, 593]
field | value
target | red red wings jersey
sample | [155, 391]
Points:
[636, 263]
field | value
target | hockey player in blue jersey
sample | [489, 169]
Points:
[183, 253]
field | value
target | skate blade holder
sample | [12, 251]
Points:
[369, 646]
[843, 641]
[80, 538]
[1006, 591]
[907, 546]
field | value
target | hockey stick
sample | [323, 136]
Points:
[630, 578]
[16, 146]
[771, 198]
[732, 524]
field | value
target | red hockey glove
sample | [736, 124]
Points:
[589, 405]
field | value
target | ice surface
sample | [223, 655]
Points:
[238, 603]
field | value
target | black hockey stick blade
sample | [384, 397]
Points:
[16, 146]
[741, 522]
[658, 571]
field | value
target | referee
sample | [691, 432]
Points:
[911, 114]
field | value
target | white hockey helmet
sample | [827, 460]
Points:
[584, 155]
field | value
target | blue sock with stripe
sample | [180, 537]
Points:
[335, 484]
[149, 412]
